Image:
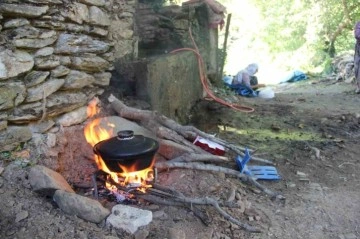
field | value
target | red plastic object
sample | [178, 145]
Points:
[209, 146]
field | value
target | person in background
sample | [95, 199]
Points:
[357, 57]
[244, 76]
[245, 81]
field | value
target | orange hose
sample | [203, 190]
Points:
[204, 81]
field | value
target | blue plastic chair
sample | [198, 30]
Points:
[258, 172]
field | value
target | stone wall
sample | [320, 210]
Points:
[55, 55]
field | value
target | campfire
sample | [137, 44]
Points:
[127, 169]
[125, 162]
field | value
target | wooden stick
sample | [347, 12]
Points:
[213, 168]
[200, 158]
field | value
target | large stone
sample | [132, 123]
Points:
[47, 63]
[77, 116]
[98, 17]
[12, 94]
[16, 23]
[83, 207]
[26, 31]
[71, 27]
[70, 44]
[63, 102]
[46, 51]
[3, 120]
[98, 31]
[123, 48]
[41, 127]
[128, 218]
[44, 90]
[89, 64]
[60, 71]
[77, 12]
[46, 1]
[25, 113]
[35, 77]
[22, 10]
[13, 136]
[98, 3]
[102, 79]
[77, 80]
[34, 43]
[49, 25]
[14, 63]
[46, 181]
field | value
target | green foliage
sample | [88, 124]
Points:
[302, 30]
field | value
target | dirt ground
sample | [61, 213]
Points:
[310, 130]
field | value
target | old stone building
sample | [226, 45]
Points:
[56, 55]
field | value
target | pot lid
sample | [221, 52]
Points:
[126, 145]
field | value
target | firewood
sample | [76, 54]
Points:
[214, 168]
[167, 128]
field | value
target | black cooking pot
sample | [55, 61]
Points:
[135, 152]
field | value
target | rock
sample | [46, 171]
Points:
[46, 51]
[35, 77]
[301, 174]
[41, 127]
[160, 214]
[98, 3]
[22, 10]
[77, 80]
[14, 63]
[3, 124]
[44, 90]
[49, 25]
[46, 1]
[98, 31]
[175, 233]
[21, 216]
[16, 23]
[350, 236]
[26, 112]
[102, 79]
[1, 170]
[98, 17]
[74, 117]
[63, 102]
[46, 181]
[89, 64]
[12, 94]
[14, 136]
[47, 63]
[123, 48]
[141, 234]
[83, 207]
[60, 71]
[77, 12]
[65, 60]
[51, 140]
[34, 43]
[128, 218]
[71, 43]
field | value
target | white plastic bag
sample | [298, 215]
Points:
[266, 93]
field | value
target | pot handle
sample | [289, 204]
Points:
[125, 134]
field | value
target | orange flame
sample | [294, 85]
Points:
[98, 130]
